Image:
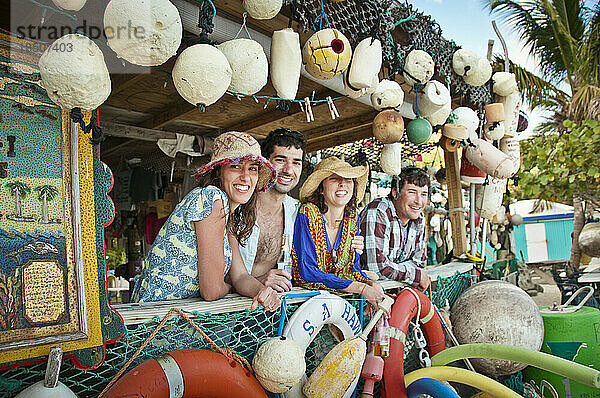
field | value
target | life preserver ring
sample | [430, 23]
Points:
[188, 373]
[408, 304]
[309, 319]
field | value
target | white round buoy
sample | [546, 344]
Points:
[516, 220]
[391, 158]
[418, 67]
[467, 117]
[38, 390]
[262, 9]
[249, 65]
[479, 74]
[201, 74]
[463, 60]
[143, 32]
[326, 54]
[388, 94]
[279, 364]
[70, 5]
[505, 83]
[497, 312]
[75, 75]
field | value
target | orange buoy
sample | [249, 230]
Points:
[405, 308]
[188, 373]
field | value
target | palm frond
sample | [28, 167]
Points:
[585, 104]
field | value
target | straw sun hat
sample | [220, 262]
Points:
[235, 147]
[334, 165]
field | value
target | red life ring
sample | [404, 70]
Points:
[188, 373]
[404, 309]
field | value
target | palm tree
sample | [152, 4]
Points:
[19, 190]
[46, 193]
[564, 37]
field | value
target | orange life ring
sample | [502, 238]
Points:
[404, 309]
[188, 373]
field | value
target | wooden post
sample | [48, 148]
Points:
[455, 201]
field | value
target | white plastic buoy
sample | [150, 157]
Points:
[391, 158]
[352, 93]
[388, 126]
[463, 60]
[388, 94]
[504, 83]
[201, 74]
[488, 197]
[279, 364]
[490, 159]
[326, 54]
[511, 147]
[50, 387]
[70, 5]
[262, 9]
[418, 67]
[286, 62]
[249, 66]
[366, 62]
[75, 74]
[512, 105]
[143, 32]
[467, 117]
[479, 74]
[440, 116]
[433, 98]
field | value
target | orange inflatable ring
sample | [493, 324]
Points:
[408, 304]
[188, 373]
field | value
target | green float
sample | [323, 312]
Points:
[574, 336]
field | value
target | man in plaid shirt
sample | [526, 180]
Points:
[394, 230]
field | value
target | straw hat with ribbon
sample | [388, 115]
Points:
[334, 165]
[234, 147]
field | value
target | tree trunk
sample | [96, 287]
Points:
[578, 222]
[44, 209]
[18, 204]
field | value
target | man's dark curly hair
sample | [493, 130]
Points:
[410, 175]
[285, 138]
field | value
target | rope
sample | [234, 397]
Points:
[229, 353]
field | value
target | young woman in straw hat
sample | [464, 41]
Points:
[323, 257]
[198, 245]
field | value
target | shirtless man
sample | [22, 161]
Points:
[276, 210]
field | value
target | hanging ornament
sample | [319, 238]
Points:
[70, 5]
[479, 74]
[455, 132]
[463, 60]
[248, 63]
[153, 32]
[391, 158]
[471, 173]
[286, 63]
[388, 94]
[262, 9]
[201, 74]
[467, 117]
[448, 144]
[366, 62]
[77, 78]
[440, 116]
[512, 104]
[418, 131]
[388, 126]
[505, 83]
[326, 54]
[523, 122]
[351, 92]
[418, 67]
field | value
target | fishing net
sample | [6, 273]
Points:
[242, 331]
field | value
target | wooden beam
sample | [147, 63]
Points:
[109, 151]
[134, 132]
[455, 201]
[123, 82]
[263, 118]
[349, 135]
[173, 111]
[340, 127]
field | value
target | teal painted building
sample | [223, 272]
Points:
[544, 237]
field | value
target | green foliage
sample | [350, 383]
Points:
[18, 188]
[48, 190]
[557, 166]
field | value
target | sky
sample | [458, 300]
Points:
[470, 26]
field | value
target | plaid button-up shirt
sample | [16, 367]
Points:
[389, 251]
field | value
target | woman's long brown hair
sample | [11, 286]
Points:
[242, 220]
[318, 199]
